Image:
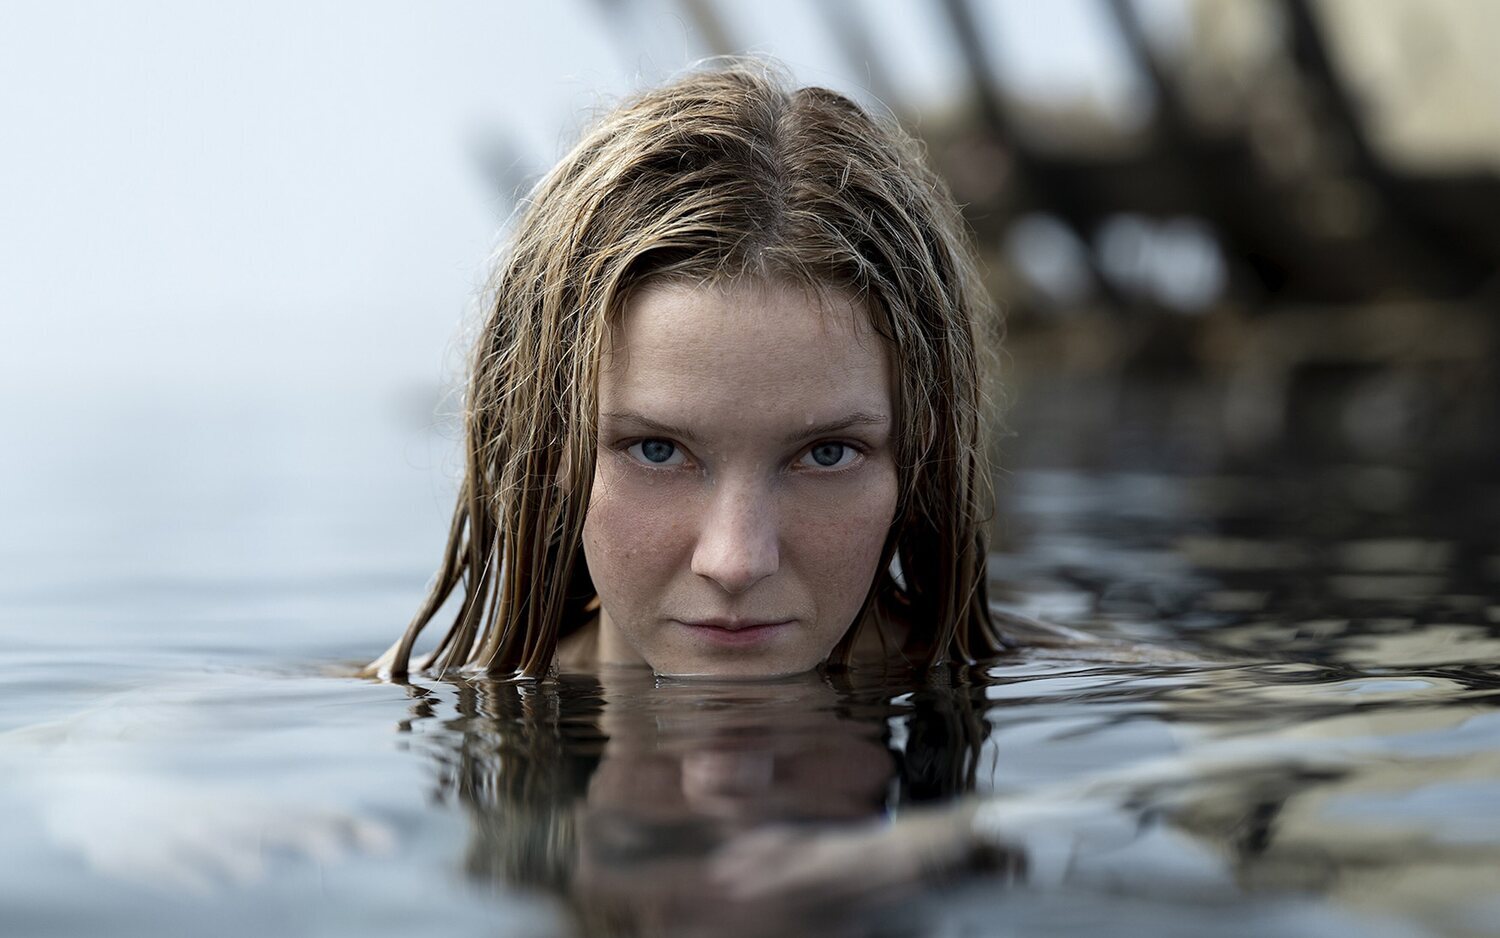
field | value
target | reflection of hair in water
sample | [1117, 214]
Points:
[722, 176]
[944, 735]
[520, 758]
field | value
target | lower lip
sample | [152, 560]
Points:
[737, 638]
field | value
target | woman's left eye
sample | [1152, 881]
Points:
[830, 455]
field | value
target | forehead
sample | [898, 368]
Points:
[771, 349]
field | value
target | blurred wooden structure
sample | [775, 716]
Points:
[1330, 256]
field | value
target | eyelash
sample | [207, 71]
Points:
[626, 448]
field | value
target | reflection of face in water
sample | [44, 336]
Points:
[688, 765]
[738, 754]
[616, 794]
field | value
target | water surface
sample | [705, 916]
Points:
[1289, 725]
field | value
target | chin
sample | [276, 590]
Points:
[733, 670]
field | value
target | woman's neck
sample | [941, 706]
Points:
[595, 644]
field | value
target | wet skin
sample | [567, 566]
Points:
[746, 478]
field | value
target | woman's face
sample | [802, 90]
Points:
[745, 481]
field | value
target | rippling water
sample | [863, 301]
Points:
[1287, 725]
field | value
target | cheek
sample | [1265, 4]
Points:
[838, 537]
[632, 536]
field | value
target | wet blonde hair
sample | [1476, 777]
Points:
[722, 175]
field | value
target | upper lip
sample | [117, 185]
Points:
[732, 624]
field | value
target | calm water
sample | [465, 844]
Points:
[1290, 727]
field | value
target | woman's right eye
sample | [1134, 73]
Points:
[656, 453]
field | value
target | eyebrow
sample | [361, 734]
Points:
[847, 422]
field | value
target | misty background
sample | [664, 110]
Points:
[241, 244]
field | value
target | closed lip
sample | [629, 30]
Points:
[733, 625]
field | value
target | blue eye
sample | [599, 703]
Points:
[830, 455]
[656, 452]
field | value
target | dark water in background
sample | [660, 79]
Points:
[1316, 752]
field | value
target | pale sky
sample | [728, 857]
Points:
[233, 196]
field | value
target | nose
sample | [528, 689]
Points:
[738, 541]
